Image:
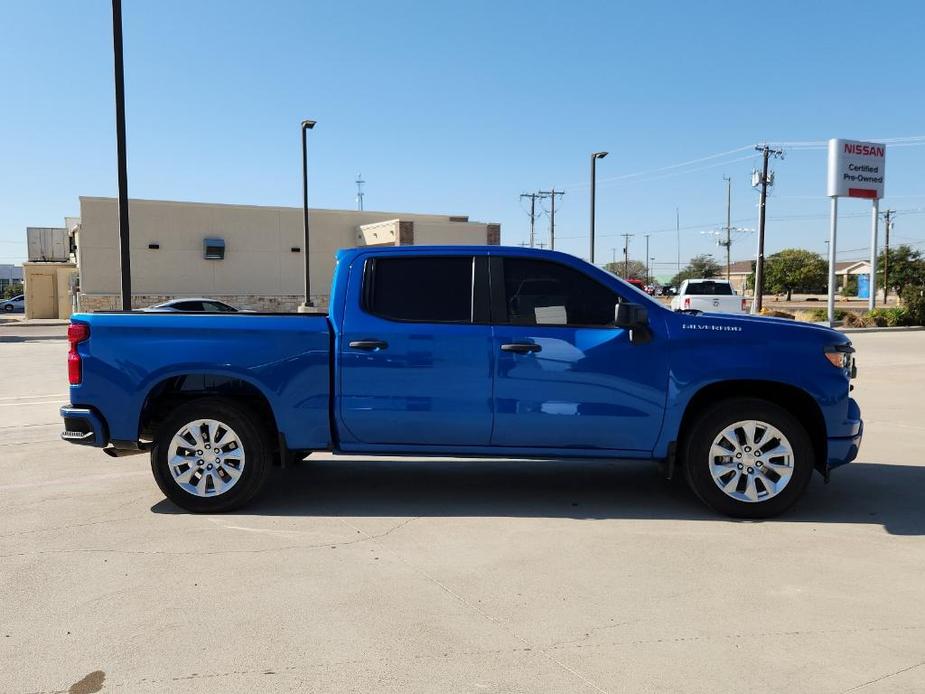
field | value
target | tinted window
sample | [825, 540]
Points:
[218, 307]
[544, 293]
[424, 289]
[192, 306]
[708, 288]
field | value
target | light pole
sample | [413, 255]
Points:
[594, 157]
[306, 126]
[125, 257]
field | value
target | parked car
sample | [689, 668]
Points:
[195, 305]
[15, 305]
[708, 296]
[474, 351]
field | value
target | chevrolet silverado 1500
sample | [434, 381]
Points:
[475, 351]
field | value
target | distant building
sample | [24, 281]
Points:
[10, 274]
[740, 270]
[247, 255]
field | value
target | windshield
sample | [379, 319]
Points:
[709, 288]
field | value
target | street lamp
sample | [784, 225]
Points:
[306, 126]
[594, 157]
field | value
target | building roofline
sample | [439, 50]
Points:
[281, 207]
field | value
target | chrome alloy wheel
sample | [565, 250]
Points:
[206, 457]
[751, 461]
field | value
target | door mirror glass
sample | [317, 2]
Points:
[627, 315]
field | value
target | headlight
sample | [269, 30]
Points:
[841, 357]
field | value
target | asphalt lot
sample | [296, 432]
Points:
[357, 575]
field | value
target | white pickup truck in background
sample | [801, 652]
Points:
[709, 296]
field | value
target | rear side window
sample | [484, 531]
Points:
[195, 306]
[709, 288]
[422, 289]
[544, 293]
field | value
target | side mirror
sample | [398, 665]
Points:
[635, 318]
[627, 315]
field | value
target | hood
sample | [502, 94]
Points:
[778, 327]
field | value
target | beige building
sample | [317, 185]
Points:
[262, 265]
[49, 289]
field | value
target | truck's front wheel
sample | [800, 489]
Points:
[748, 458]
[211, 455]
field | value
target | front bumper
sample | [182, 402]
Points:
[843, 449]
[84, 426]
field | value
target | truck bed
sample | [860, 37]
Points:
[284, 357]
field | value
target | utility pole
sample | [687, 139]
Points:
[533, 197]
[551, 194]
[728, 223]
[766, 153]
[647, 260]
[677, 222]
[125, 256]
[360, 193]
[626, 255]
[887, 227]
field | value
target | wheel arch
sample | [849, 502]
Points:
[792, 398]
[176, 389]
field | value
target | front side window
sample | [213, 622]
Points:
[420, 289]
[539, 292]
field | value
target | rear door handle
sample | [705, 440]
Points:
[522, 347]
[369, 345]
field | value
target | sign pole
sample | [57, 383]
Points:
[832, 229]
[875, 216]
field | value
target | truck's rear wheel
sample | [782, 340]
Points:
[211, 455]
[748, 458]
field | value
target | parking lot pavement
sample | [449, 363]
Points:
[357, 575]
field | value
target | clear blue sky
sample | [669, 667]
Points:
[460, 107]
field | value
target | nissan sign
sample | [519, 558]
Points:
[856, 169]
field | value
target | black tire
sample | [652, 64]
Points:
[8, 308]
[708, 426]
[253, 438]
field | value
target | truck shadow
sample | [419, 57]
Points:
[889, 495]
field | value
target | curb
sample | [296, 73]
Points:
[34, 323]
[897, 329]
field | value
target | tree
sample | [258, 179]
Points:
[907, 268]
[700, 267]
[11, 290]
[795, 269]
[636, 269]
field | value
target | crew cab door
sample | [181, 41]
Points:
[565, 377]
[415, 352]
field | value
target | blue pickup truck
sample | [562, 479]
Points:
[468, 351]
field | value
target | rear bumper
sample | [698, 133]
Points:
[84, 426]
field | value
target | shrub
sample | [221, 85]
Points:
[765, 311]
[821, 314]
[854, 320]
[914, 302]
[888, 317]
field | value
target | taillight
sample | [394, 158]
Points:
[744, 305]
[76, 333]
[687, 302]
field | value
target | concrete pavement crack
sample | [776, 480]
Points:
[885, 677]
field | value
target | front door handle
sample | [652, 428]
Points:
[522, 347]
[369, 345]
